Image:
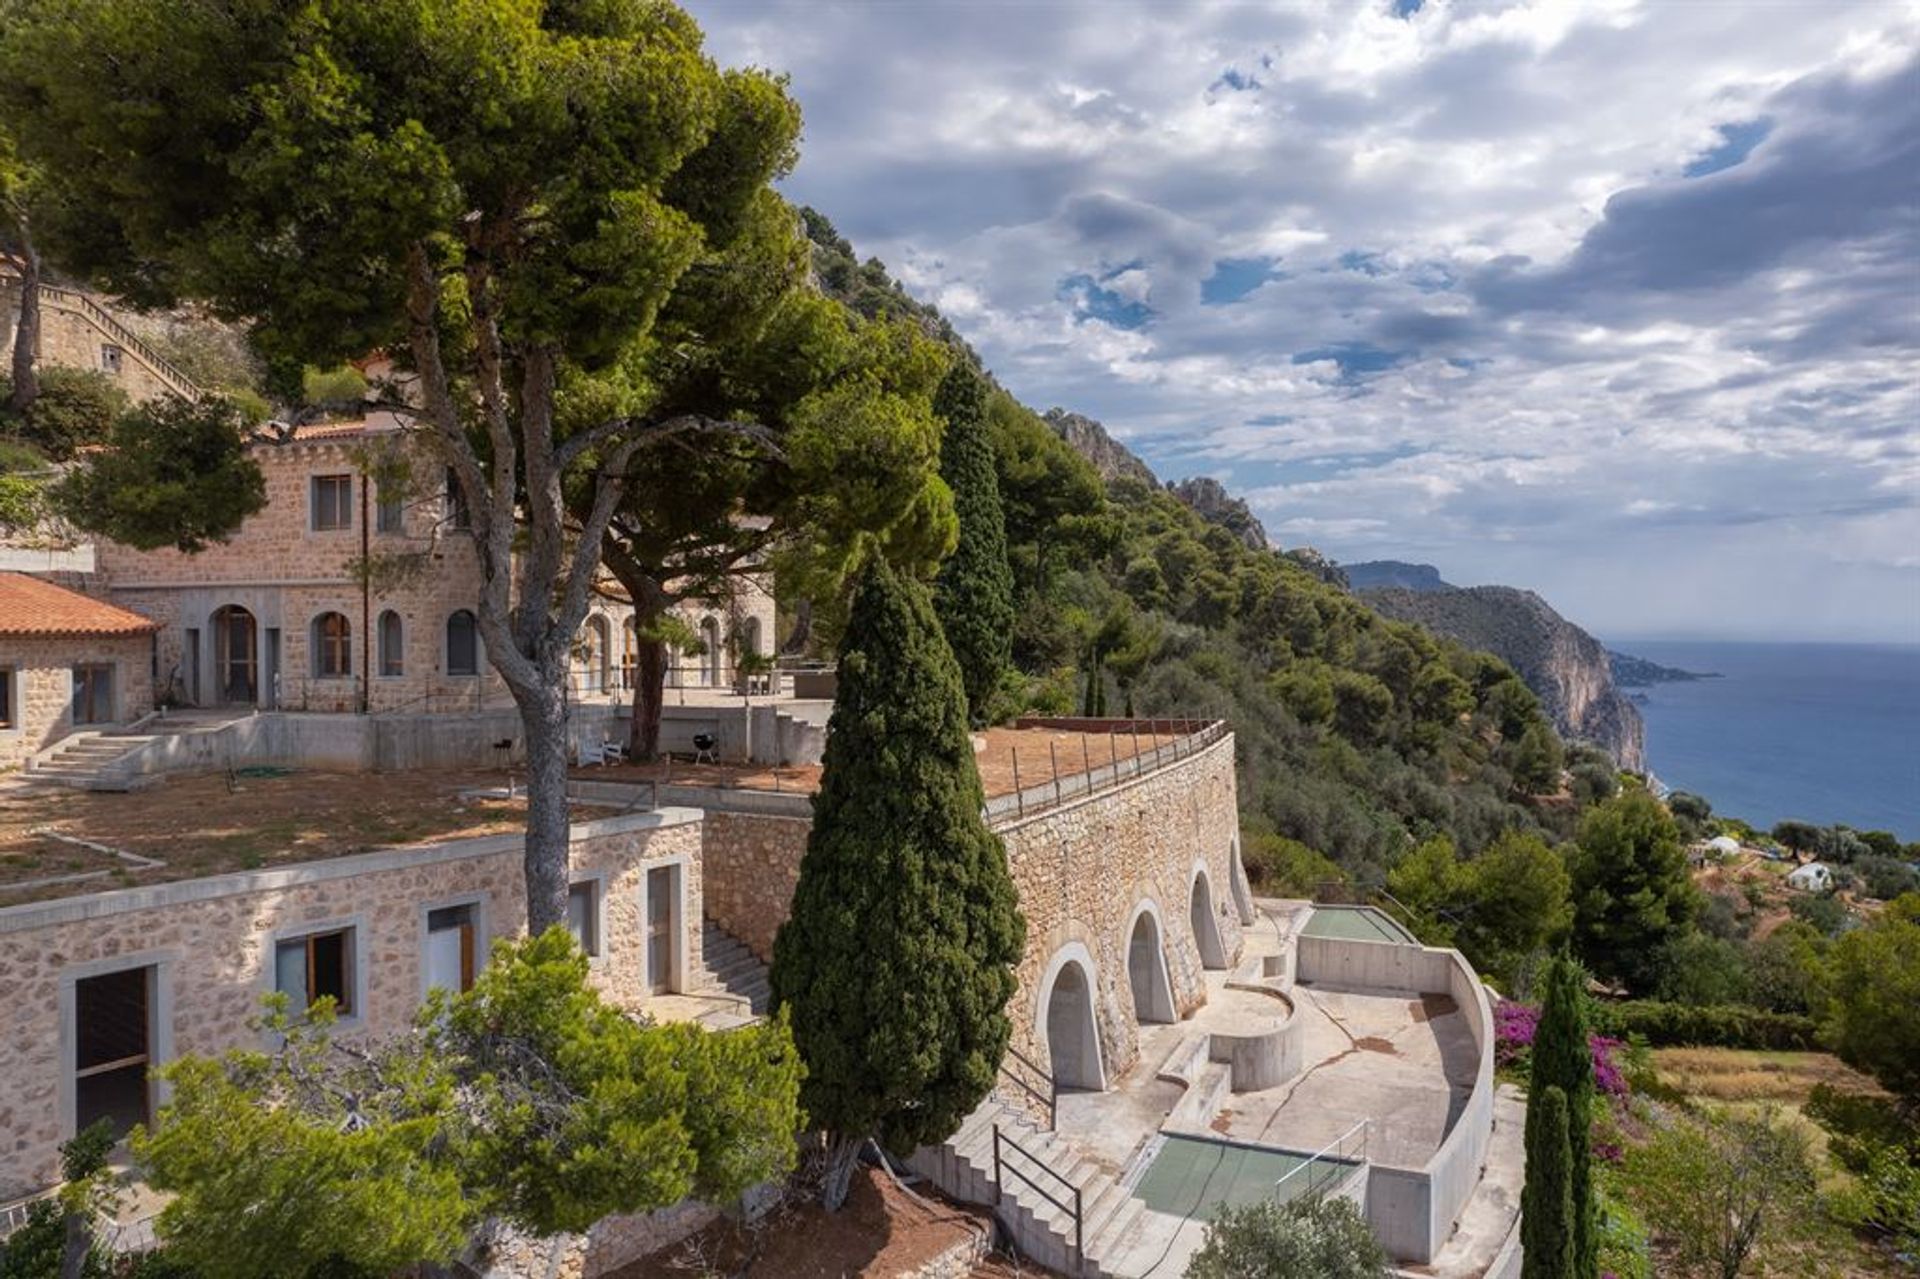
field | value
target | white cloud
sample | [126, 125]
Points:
[1499, 329]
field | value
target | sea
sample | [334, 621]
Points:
[1821, 732]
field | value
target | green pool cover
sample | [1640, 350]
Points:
[1191, 1176]
[1355, 923]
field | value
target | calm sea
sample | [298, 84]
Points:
[1822, 732]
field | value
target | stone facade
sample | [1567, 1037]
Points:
[77, 332]
[209, 947]
[1086, 871]
[39, 680]
[242, 621]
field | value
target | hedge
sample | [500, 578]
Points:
[1706, 1025]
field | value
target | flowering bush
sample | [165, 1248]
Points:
[1514, 1024]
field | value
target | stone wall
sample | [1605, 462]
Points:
[755, 865]
[41, 672]
[71, 337]
[210, 943]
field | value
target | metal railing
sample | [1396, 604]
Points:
[166, 370]
[1326, 1167]
[1046, 1092]
[1186, 737]
[1070, 1206]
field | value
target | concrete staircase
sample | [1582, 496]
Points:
[1111, 1217]
[91, 761]
[731, 972]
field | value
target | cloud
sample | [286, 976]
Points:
[1612, 298]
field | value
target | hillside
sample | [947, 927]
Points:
[1358, 736]
[1387, 574]
[1566, 667]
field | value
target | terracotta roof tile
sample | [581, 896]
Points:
[29, 606]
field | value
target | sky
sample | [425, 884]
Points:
[1618, 300]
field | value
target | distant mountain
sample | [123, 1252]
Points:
[1112, 459]
[1638, 672]
[1394, 574]
[1566, 668]
[1211, 502]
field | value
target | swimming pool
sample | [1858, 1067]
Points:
[1356, 923]
[1191, 1176]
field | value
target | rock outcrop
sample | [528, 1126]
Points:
[1383, 574]
[1564, 666]
[1112, 459]
[1211, 502]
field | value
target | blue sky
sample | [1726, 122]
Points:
[1614, 299]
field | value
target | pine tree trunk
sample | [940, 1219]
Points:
[26, 335]
[649, 696]
[543, 713]
[802, 632]
[843, 1156]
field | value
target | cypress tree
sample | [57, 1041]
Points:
[1546, 1202]
[974, 592]
[897, 961]
[1563, 1060]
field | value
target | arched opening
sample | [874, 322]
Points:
[1147, 971]
[710, 654]
[1238, 885]
[750, 637]
[463, 644]
[629, 653]
[593, 655]
[332, 646]
[1073, 1041]
[236, 656]
[1206, 929]
[393, 652]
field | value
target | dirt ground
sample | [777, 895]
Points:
[1030, 754]
[880, 1231]
[204, 825]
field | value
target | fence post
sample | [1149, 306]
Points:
[1134, 727]
[1019, 800]
[1086, 763]
[1053, 761]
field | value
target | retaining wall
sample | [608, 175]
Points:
[1413, 1210]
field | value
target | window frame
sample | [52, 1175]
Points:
[353, 956]
[9, 698]
[320, 644]
[389, 511]
[459, 514]
[113, 358]
[333, 481]
[446, 645]
[389, 663]
[596, 889]
[475, 904]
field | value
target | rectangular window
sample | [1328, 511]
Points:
[459, 515]
[332, 502]
[110, 358]
[317, 965]
[93, 694]
[389, 516]
[450, 947]
[113, 1048]
[8, 716]
[583, 915]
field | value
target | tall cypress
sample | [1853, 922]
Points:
[1563, 1060]
[1546, 1203]
[974, 592]
[897, 962]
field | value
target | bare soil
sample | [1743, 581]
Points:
[206, 825]
[880, 1231]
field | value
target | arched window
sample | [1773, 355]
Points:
[393, 651]
[594, 656]
[332, 646]
[463, 644]
[710, 654]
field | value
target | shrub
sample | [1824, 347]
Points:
[1322, 1237]
[1668, 1025]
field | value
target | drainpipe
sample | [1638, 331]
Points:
[366, 603]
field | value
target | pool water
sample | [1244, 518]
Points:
[1192, 1176]
[1355, 923]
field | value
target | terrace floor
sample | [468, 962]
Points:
[202, 824]
[1010, 759]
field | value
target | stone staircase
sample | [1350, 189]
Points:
[1042, 1231]
[92, 761]
[730, 972]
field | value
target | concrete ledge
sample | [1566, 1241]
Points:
[1263, 1058]
[65, 910]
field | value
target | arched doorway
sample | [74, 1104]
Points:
[1206, 928]
[710, 652]
[1073, 1040]
[236, 656]
[1147, 970]
[593, 656]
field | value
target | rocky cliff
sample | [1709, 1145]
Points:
[1564, 666]
[1090, 440]
[1211, 502]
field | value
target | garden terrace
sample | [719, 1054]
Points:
[208, 825]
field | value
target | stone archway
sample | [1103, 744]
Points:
[1206, 927]
[1147, 968]
[1241, 889]
[1067, 1020]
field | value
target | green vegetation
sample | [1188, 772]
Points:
[1324, 1237]
[897, 961]
[1546, 1201]
[526, 1098]
[74, 408]
[973, 595]
[1718, 1188]
[1563, 1062]
[1631, 891]
[173, 473]
[1499, 908]
[1875, 998]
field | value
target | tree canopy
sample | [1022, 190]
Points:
[1631, 891]
[173, 472]
[973, 595]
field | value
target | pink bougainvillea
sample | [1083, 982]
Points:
[1514, 1025]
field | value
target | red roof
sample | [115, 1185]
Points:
[29, 606]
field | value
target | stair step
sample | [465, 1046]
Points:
[1107, 1238]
